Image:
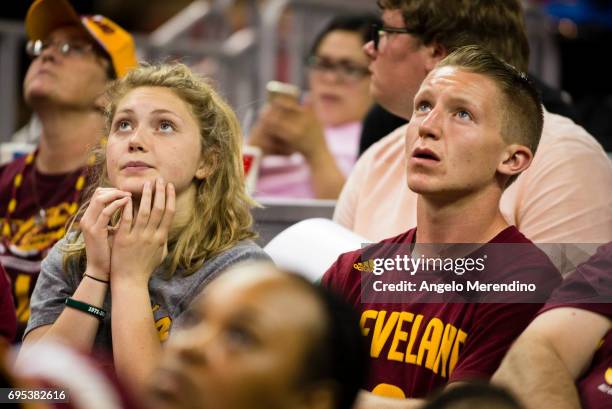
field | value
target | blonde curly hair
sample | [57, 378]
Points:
[221, 214]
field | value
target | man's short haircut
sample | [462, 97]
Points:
[339, 353]
[473, 396]
[496, 25]
[522, 115]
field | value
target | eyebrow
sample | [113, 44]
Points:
[457, 100]
[155, 111]
[341, 60]
[164, 111]
[125, 110]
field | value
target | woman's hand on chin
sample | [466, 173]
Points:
[95, 228]
[140, 243]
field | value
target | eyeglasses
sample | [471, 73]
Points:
[377, 31]
[66, 48]
[346, 71]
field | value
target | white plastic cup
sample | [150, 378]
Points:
[251, 159]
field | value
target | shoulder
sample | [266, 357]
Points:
[512, 256]
[242, 251]
[388, 146]
[563, 136]
[340, 272]
[519, 247]
[11, 169]
[54, 260]
[380, 158]
[245, 250]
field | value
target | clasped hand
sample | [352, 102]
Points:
[138, 244]
[284, 127]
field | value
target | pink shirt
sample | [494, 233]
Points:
[289, 176]
[565, 196]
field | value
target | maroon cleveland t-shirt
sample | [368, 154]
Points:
[417, 346]
[31, 238]
[590, 288]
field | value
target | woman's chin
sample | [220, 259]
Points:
[133, 186]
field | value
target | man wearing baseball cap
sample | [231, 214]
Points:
[74, 59]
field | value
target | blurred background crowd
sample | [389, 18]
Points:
[245, 43]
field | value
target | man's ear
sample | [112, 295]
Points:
[435, 52]
[516, 159]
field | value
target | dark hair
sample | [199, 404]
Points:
[522, 114]
[476, 395]
[339, 353]
[357, 23]
[494, 24]
[111, 74]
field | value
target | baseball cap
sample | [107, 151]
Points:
[45, 16]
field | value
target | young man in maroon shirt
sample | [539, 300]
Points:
[475, 127]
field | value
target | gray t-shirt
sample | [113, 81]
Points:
[169, 297]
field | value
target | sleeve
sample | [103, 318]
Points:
[52, 288]
[497, 326]
[589, 287]
[567, 196]
[337, 279]
[346, 206]
[8, 318]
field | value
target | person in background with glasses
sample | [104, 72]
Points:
[563, 198]
[309, 148]
[74, 59]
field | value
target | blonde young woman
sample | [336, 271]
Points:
[172, 168]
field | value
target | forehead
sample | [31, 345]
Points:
[69, 33]
[341, 44]
[457, 83]
[273, 301]
[393, 18]
[143, 99]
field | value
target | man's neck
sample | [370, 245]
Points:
[66, 139]
[470, 219]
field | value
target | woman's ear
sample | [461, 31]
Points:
[516, 159]
[207, 166]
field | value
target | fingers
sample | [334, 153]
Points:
[286, 104]
[169, 211]
[144, 210]
[106, 214]
[99, 201]
[281, 112]
[159, 204]
[156, 211]
[125, 224]
[280, 147]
